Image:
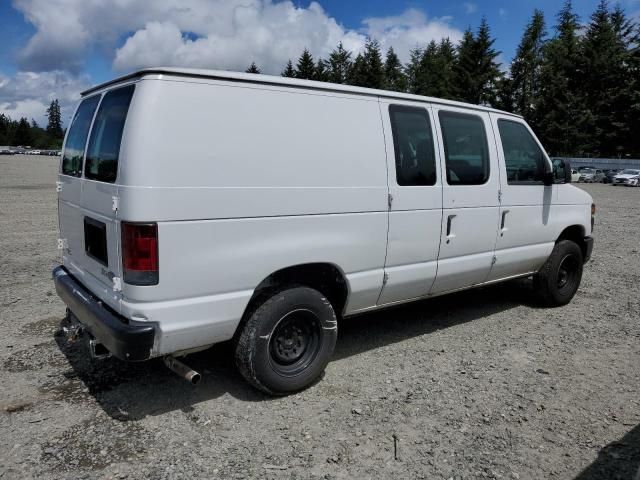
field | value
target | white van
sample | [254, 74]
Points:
[199, 206]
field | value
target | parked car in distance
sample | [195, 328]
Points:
[6, 152]
[275, 207]
[629, 177]
[609, 174]
[591, 175]
[575, 175]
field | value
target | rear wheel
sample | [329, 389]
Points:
[287, 341]
[559, 278]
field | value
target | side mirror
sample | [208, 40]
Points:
[561, 171]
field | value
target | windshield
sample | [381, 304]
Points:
[588, 170]
[630, 172]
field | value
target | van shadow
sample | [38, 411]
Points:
[618, 460]
[132, 391]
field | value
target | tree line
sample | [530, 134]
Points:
[578, 88]
[24, 133]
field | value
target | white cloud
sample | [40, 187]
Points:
[28, 94]
[224, 34]
[470, 7]
[220, 34]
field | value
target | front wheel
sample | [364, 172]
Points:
[287, 341]
[559, 278]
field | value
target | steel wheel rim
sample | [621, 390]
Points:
[567, 272]
[294, 342]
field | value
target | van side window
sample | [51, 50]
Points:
[523, 157]
[104, 144]
[465, 148]
[413, 145]
[77, 137]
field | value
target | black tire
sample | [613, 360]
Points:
[287, 341]
[559, 278]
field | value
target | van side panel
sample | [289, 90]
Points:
[244, 181]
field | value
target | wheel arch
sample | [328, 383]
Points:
[575, 233]
[327, 278]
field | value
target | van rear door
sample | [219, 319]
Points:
[87, 202]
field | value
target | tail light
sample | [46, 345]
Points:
[140, 253]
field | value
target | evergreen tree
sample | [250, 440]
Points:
[374, 68]
[306, 68]
[606, 55]
[22, 135]
[321, 74]
[54, 124]
[444, 64]
[426, 76]
[357, 73]
[464, 68]
[339, 65]
[412, 70]
[560, 103]
[5, 125]
[289, 71]
[476, 73]
[524, 84]
[253, 68]
[394, 76]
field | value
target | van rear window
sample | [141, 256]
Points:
[77, 137]
[104, 143]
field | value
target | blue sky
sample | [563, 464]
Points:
[55, 49]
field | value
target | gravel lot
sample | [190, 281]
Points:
[480, 384]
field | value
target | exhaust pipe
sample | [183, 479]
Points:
[183, 370]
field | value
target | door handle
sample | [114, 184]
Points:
[502, 222]
[449, 222]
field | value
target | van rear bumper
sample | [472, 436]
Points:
[126, 340]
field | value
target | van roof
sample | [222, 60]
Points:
[286, 82]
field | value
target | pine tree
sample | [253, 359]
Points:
[357, 73]
[465, 67]
[306, 68]
[559, 102]
[321, 73]
[289, 71]
[54, 124]
[412, 70]
[374, 68]
[525, 69]
[22, 135]
[488, 73]
[5, 125]
[253, 68]
[476, 73]
[394, 76]
[339, 65]
[445, 60]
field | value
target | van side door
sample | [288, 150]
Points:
[471, 184]
[415, 201]
[524, 239]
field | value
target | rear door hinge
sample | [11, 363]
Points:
[58, 187]
[390, 200]
[115, 204]
[494, 260]
[499, 196]
[385, 278]
[117, 284]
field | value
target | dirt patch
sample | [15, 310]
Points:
[480, 384]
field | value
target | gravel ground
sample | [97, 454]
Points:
[480, 384]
